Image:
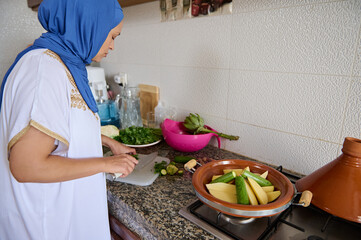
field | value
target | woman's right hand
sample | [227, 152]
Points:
[122, 163]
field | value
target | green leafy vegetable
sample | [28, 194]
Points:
[158, 167]
[195, 124]
[139, 135]
[135, 156]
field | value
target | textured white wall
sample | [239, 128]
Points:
[284, 75]
[19, 27]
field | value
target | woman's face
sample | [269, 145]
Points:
[108, 43]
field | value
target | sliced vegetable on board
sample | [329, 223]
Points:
[159, 166]
[172, 169]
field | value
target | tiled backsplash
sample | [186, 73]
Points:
[283, 75]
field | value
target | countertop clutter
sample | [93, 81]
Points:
[152, 211]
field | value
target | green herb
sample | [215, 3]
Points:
[158, 167]
[135, 156]
[139, 135]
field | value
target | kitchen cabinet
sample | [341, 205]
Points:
[34, 4]
[119, 231]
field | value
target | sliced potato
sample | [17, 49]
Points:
[237, 171]
[268, 188]
[273, 195]
[258, 191]
[246, 169]
[217, 176]
[264, 175]
[220, 186]
[223, 191]
[251, 196]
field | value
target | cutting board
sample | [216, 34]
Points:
[143, 174]
[149, 97]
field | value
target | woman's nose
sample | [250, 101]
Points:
[111, 46]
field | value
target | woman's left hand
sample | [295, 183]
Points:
[116, 147]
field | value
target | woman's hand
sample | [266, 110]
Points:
[122, 163]
[116, 147]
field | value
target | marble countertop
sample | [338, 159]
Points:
[152, 211]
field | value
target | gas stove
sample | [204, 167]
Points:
[295, 223]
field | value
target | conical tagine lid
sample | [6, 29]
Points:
[336, 187]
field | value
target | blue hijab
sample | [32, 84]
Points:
[76, 30]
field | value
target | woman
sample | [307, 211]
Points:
[52, 174]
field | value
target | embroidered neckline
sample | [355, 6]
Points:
[77, 100]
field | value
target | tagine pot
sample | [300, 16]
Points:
[336, 187]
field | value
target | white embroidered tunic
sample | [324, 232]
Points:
[40, 92]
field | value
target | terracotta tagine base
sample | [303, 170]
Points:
[336, 187]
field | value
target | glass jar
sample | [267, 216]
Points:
[129, 105]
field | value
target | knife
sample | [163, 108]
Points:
[144, 160]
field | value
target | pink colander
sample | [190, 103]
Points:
[176, 136]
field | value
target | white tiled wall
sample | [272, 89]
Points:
[19, 27]
[284, 75]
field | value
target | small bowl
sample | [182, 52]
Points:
[176, 136]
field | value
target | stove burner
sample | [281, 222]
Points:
[234, 220]
[314, 237]
[293, 223]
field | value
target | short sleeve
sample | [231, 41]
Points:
[40, 98]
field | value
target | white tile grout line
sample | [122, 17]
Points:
[267, 128]
[231, 69]
[281, 131]
[345, 108]
[351, 82]
[358, 42]
[229, 74]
